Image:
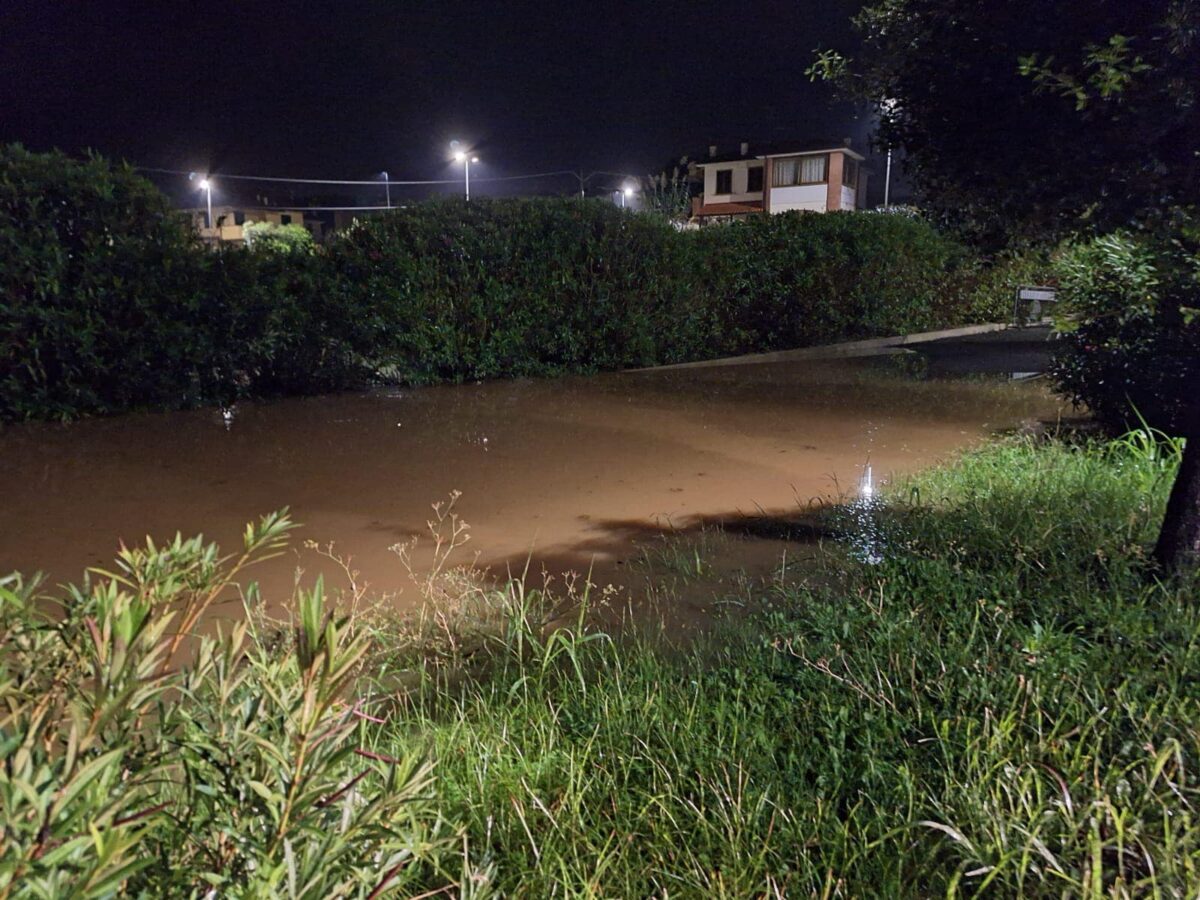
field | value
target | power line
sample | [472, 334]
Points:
[374, 183]
[222, 176]
[325, 208]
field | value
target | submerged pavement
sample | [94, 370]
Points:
[561, 473]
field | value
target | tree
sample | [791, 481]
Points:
[1030, 117]
[1028, 120]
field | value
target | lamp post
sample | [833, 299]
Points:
[466, 159]
[387, 187]
[887, 181]
[626, 192]
[888, 104]
[206, 186]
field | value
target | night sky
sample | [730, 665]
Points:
[345, 90]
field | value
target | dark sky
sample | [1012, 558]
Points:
[344, 90]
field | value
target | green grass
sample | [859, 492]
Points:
[1004, 705]
[1007, 702]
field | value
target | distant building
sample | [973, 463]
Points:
[816, 176]
[228, 221]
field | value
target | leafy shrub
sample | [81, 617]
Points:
[991, 285]
[245, 770]
[278, 238]
[1131, 344]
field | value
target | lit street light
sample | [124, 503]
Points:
[466, 159]
[889, 108]
[626, 192]
[206, 186]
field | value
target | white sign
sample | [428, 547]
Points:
[1037, 293]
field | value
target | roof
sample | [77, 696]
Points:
[780, 148]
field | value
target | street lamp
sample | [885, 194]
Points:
[206, 186]
[466, 159]
[889, 107]
[387, 187]
[626, 192]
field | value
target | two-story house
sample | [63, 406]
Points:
[816, 176]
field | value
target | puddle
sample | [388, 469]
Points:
[556, 469]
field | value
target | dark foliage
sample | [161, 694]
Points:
[799, 279]
[1135, 349]
[1021, 118]
[110, 303]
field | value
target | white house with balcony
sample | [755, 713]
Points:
[817, 177]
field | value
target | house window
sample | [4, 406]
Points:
[724, 181]
[754, 179]
[850, 172]
[285, 219]
[814, 169]
[239, 217]
[800, 170]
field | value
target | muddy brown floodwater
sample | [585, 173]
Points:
[567, 470]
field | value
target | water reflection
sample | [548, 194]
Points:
[862, 525]
[559, 458]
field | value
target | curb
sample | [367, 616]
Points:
[869, 347]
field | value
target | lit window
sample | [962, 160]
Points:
[800, 170]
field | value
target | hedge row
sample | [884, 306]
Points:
[109, 302]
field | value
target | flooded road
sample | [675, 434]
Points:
[558, 469]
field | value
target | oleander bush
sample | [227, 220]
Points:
[142, 760]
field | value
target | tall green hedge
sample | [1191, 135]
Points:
[527, 287]
[110, 303]
[797, 279]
